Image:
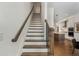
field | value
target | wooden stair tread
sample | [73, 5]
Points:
[36, 26]
[34, 54]
[34, 46]
[35, 35]
[35, 32]
[35, 40]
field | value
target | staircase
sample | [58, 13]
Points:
[35, 44]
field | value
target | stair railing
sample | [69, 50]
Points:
[46, 34]
[21, 28]
[49, 40]
[47, 31]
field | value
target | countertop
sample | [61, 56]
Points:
[59, 32]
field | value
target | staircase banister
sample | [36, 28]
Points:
[47, 23]
[21, 28]
[49, 38]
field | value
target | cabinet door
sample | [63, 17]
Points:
[56, 37]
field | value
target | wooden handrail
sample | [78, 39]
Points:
[47, 32]
[47, 24]
[20, 30]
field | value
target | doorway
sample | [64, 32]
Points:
[37, 7]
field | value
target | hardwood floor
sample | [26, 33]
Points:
[63, 48]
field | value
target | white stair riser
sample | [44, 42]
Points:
[35, 50]
[36, 21]
[34, 43]
[36, 25]
[35, 34]
[34, 38]
[35, 30]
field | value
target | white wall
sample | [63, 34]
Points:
[12, 15]
[47, 13]
[50, 16]
[43, 11]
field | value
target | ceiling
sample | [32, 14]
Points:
[64, 9]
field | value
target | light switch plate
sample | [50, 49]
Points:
[1, 36]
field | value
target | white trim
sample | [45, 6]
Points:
[34, 43]
[35, 50]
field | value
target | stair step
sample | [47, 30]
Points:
[36, 26]
[34, 43]
[34, 46]
[35, 40]
[35, 50]
[35, 21]
[35, 35]
[34, 54]
[35, 30]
